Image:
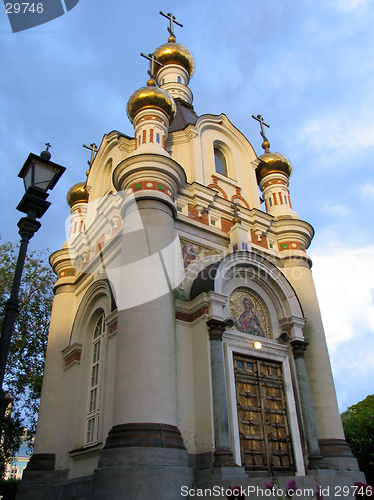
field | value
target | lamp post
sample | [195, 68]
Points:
[39, 174]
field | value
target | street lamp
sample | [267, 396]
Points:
[39, 174]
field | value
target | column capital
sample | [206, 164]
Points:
[216, 328]
[299, 348]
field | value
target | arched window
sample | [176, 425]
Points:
[158, 138]
[220, 162]
[179, 79]
[94, 395]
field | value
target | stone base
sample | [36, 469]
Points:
[151, 473]
[218, 473]
[337, 455]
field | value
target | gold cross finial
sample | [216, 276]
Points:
[172, 20]
[152, 61]
[93, 149]
[266, 143]
[236, 219]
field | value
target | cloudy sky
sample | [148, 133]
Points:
[307, 67]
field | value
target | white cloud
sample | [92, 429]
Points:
[336, 209]
[368, 190]
[348, 5]
[339, 130]
[344, 280]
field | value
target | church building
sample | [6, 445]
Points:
[186, 346]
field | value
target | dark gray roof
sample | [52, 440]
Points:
[185, 115]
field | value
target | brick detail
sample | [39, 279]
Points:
[219, 189]
[263, 243]
[74, 357]
[226, 225]
[113, 328]
[238, 197]
[192, 214]
[189, 318]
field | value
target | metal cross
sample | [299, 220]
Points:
[262, 123]
[93, 149]
[172, 20]
[152, 60]
[48, 145]
[236, 219]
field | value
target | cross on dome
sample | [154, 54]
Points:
[172, 20]
[152, 61]
[266, 143]
[94, 150]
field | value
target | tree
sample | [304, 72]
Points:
[25, 365]
[358, 424]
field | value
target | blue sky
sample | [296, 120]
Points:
[306, 67]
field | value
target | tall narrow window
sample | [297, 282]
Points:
[94, 396]
[179, 79]
[220, 162]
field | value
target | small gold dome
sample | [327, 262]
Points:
[270, 163]
[77, 194]
[150, 97]
[175, 53]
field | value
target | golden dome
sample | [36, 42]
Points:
[150, 97]
[175, 53]
[271, 163]
[77, 194]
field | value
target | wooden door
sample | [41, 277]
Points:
[265, 441]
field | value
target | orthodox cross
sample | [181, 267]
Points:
[172, 20]
[48, 145]
[236, 219]
[262, 123]
[93, 149]
[152, 61]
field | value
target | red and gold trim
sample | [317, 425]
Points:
[67, 273]
[150, 185]
[291, 245]
[274, 181]
[150, 117]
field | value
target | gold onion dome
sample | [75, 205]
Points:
[271, 163]
[77, 194]
[150, 96]
[175, 53]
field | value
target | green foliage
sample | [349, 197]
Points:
[358, 424]
[8, 488]
[11, 440]
[25, 365]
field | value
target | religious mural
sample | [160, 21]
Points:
[248, 314]
[192, 253]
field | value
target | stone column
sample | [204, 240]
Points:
[314, 454]
[222, 454]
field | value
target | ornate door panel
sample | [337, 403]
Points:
[265, 442]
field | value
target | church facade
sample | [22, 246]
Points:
[186, 343]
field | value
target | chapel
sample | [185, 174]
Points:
[186, 346]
